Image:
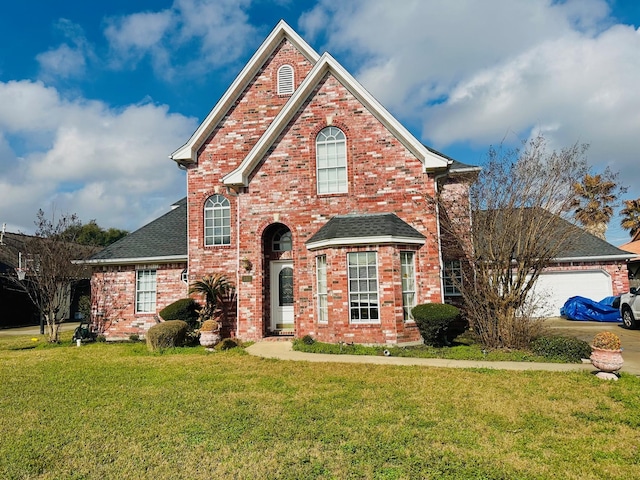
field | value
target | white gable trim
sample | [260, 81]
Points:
[327, 63]
[188, 152]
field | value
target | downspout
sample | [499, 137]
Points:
[237, 262]
[436, 179]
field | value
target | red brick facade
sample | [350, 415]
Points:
[385, 174]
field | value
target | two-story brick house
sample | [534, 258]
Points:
[307, 194]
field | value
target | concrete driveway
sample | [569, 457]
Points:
[586, 331]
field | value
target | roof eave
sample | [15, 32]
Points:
[132, 260]
[595, 258]
[353, 241]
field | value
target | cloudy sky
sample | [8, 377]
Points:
[94, 96]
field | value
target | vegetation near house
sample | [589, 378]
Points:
[566, 349]
[436, 322]
[50, 274]
[92, 234]
[631, 216]
[168, 334]
[216, 289]
[186, 309]
[517, 203]
[595, 198]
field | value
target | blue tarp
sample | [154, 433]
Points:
[581, 308]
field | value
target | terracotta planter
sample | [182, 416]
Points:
[606, 360]
[210, 339]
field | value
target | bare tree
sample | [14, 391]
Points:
[518, 205]
[50, 275]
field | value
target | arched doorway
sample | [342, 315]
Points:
[279, 283]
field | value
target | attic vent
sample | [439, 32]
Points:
[285, 80]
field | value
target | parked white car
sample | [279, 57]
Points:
[630, 307]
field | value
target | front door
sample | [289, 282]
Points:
[282, 296]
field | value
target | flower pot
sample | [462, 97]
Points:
[606, 360]
[210, 339]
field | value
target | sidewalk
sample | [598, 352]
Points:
[283, 350]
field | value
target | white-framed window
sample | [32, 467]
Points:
[145, 291]
[285, 80]
[331, 161]
[321, 275]
[282, 240]
[452, 278]
[217, 221]
[363, 287]
[408, 273]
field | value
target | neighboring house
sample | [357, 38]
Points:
[16, 308]
[587, 266]
[634, 263]
[313, 200]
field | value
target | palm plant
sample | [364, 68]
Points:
[216, 289]
[631, 216]
[595, 198]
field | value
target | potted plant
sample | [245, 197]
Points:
[606, 352]
[210, 334]
[216, 290]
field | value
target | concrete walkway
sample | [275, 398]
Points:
[283, 350]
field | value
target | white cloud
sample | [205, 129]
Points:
[216, 32]
[99, 162]
[66, 61]
[475, 73]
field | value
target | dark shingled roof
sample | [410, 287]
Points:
[578, 244]
[166, 236]
[365, 225]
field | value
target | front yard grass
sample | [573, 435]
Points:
[116, 411]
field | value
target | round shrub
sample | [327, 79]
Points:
[438, 322]
[308, 340]
[185, 309]
[568, 349]
[167, 335]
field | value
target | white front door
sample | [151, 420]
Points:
[282, 296]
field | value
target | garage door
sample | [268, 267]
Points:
[555, 288]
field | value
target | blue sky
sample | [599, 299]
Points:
[95, 96]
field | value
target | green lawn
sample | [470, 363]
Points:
[115, 411]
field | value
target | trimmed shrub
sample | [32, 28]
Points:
[185, 309]
[568, 349]
[167, 335]
[437, 322]
[308, 340]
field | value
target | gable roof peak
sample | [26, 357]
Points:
[187, 153]
[430, 159]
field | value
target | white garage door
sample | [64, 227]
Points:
[555, 288]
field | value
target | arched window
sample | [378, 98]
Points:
[285, 80]
[217, 221]
[282, 240]
[331, 161]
